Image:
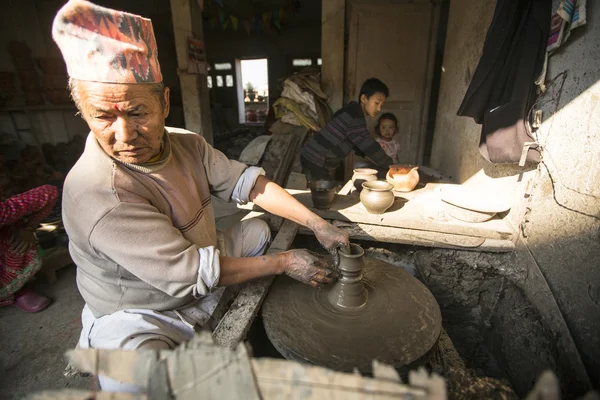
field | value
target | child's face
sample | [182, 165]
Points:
[372, 105]
[387, 128]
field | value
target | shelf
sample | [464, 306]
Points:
[45, 107]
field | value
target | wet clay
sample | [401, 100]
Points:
[349, 291]
[375, 311]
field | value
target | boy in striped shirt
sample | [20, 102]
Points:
[347, 132]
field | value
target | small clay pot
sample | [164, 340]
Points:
[322, 193]
[377, 196]
[362, 175]
[403, 177]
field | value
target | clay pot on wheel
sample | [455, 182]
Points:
[404, 177]
[322, 193]
[362, 175]
[377, 196]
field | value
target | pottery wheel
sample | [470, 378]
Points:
[399, 323]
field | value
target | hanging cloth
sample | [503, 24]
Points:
[502, 90]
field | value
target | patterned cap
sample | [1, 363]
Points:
[104, 45]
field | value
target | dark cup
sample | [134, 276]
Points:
[322, 193]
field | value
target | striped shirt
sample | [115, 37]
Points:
[346, 132]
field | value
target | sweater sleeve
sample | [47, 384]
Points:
[143, 241]
[37, 202]
[223, 174]
[361, 138]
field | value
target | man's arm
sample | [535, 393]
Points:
[361, 138]
[140, 239]
[301, 265]
[274, 199]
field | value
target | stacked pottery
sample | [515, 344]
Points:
[362, 175]
[377, 196]
[403, 177]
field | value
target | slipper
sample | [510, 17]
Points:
[31, 302]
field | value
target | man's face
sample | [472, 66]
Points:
[128, 120]
[372, 105]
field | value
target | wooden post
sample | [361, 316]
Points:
[332, 51]
[187, 23]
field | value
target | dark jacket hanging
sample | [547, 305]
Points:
[502, 90]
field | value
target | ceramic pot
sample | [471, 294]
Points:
[322, 193]
[403, 177]
[362, 175]
[377, 196]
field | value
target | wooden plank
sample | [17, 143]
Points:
[202, 369]
[235, 324]
[77, 394]
[281, 379]
[346, 188]
[387, 234]
[211, 372]
[425, 213]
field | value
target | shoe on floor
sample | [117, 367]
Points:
[30, 301]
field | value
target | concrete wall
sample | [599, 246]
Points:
[559, 222]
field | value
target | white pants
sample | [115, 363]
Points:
[134, 329]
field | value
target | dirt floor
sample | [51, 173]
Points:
[33, 345]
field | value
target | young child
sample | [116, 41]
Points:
[386, 128]
[347, 132]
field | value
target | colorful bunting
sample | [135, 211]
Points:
[234, 22]
[266, 21]
[275, 19]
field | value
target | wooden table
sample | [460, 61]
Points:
[415, 218]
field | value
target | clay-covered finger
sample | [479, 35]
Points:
[335, 256]
[315, 284]
[345, 247]
[321, 278]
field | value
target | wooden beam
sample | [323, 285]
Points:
[235, 324]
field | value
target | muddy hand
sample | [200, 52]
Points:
[307, 267]
[333, 239]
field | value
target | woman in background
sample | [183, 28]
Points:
[20, 215]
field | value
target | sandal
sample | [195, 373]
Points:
[30, 301]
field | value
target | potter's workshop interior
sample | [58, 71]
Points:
[299, 199]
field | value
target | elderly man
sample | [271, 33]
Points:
[137, 205]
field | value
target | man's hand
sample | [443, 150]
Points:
[306, 267]
[332, 239]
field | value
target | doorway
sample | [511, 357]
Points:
[396, 43]
[253, 90]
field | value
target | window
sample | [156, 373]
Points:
[219, 81]
[252, 82]
[301, 62]
[222, 66]
[209, 81]
[319, 61]
[229, 81]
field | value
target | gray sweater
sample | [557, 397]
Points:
[135, 231]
